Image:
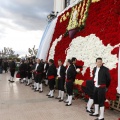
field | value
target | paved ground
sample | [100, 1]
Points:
[18, 102]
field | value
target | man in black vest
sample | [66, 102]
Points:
[38, 75]
[70, 78]
[61, 80]
[74, 60]
[101, 78]
[51, 75]
[23, 69]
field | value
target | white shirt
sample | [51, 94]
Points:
[58, 71]
[67, 70]
[45, 66]
[74, 66]
[36, 66]
[96, 77]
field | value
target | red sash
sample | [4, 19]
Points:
[68, 80]
[102, 86]
[51, 77]
[37, 73]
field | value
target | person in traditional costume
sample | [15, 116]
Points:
[74, 60]
[70, 78]
[101, 78]
[61, 80]
[51, 75]
[29, 72]
[39, 75]
[23, 69]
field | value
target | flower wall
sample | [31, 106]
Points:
[99, 38]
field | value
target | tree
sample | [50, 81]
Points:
[32, 51]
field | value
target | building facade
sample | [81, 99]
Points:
[60, 5]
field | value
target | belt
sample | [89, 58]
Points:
[68, 80]
[37, 73]
[101, 86]
[51, 77]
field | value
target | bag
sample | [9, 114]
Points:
[18, 75]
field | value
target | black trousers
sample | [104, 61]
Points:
[51, 83]
[5, 68]
[23, 74]
[69, 87]
[12, 73]
[29, 74]
[90, 88]
[44, 75]
[38, 78]
[99, 96]
[61, 82]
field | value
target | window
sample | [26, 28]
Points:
[67, 3]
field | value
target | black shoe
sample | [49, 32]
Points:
[40, 91]
[27, 84]
[33, 88]
[89, 111]
[99, 119]
[60, 100]
[9, 80]
[73, 98]
[68, 104]
[90, 108]
[12, 81]
[50, 96]
[57, 97]
[94, 115]
[47, 95]
[65, 101]
[36, 90]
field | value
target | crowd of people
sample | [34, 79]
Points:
[37, 71]
[4, 64]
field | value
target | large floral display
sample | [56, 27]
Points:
[88, 30]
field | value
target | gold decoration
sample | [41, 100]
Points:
[60, 20]
[93, 1]
[79, 82]
[64, 17]
[79, 11]
[73, 23]
[67, 14]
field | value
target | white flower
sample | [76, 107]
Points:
[88, 49]
[77, 70]
[52, 49]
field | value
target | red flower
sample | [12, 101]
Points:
[103, 17]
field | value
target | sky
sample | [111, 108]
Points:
[22, 23]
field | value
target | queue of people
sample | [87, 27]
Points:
[38, 71]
